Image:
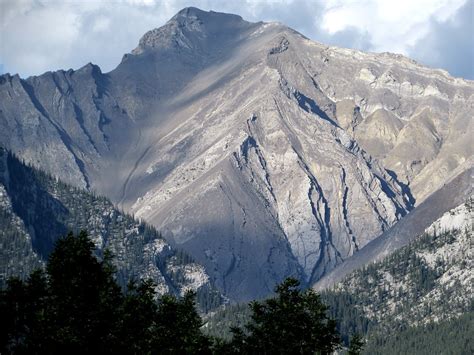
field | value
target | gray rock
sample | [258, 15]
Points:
[454, 193]
[262, 153]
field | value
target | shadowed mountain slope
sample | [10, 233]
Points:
[36, 210]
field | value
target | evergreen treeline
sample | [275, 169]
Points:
[76, 306]
[453, 337]
[389, 295]
[293, 322]
[220, 323]
[400, 304]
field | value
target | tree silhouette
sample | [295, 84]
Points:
[294, 322]
[356, 345]
[179, 326]
[85, 299]
[136, 332]
[77, 307]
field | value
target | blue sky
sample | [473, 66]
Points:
[41, 35]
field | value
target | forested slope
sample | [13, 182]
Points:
[36, 209]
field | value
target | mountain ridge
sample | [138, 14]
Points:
[247, 149]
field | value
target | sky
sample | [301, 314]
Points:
[41, 35]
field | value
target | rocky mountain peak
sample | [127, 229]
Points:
[189, 28]
[191, 14]
[90, 68]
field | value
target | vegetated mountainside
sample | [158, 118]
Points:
[219, 323]
[423, 289]
[429, 281]
[36, 209]
[260, 152]
[451, 337]
[455, 192]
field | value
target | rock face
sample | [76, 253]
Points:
[260, 152]
[425, 217]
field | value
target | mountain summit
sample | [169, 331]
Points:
[262, 153]
[192, 29]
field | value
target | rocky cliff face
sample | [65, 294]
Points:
[262, 153]
[454, 193]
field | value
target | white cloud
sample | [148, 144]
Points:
[394, 26]
[41, 35]
[48, 35]
[449, 43]
[101, 24]
[34, 44]
[141, 2]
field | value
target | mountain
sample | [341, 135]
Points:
[260, 152]
[429, 280]
[36, 209]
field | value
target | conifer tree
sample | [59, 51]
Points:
[84, 297]
[294, 322]
[179, 326]
[356, 345]
[77, 307]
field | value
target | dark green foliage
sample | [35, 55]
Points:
[179, 327]
[387, 332]
[343, 306]
[367, 288]
[454, 337]
[367, 292]
[136, 331]
[22, 306]
[219, 324]
[294, 322]
[356, 345]
[85, 296]
[208, 298]
[77, 307]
